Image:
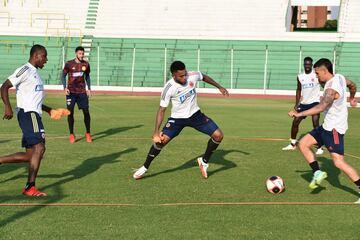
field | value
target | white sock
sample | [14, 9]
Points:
[293, 141]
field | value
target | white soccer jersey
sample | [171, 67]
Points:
[29, 88]
[183, 97]
[336, 115]
[310, 88]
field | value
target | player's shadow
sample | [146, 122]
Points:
[4, 141]
[87, 167]
[30, 209]
[112, 131]
[328, 166]
[11, 167]
[218, 158]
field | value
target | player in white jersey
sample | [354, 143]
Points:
[29, 98]
[331, 132]
[307, 96]
[185, 112]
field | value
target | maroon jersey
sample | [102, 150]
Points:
[77, 74]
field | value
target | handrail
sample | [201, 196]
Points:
[8, 17]
[32, 17]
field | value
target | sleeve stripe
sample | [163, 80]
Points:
[22, 71]
[165, 91]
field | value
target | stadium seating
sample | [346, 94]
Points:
[215, 38]
[43, 17]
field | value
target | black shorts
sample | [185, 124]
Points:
[198, 120]
[32, 128]
[304, 107]
[332, 140]
[81, 99]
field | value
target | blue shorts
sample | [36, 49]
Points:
[332, 140]
[32, 128]
[198, 120]
[304, 107]
[81, 99]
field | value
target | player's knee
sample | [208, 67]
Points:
[40, 149]
[302, 145]
[218, 135]
[86, 112]
[340, 164]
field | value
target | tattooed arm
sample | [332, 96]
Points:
[352, 89]
[326, 101]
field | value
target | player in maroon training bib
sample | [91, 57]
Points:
[78, 72]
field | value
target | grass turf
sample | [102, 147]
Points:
[101, 173]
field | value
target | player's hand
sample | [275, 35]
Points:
[353, 102]
[293, 113]
[224, 91]
[8, 113]
[56, 114]
[158, 137]
[88, 93]
[67, 91]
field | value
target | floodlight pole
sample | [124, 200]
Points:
[98, 64]
[300, 59]
[334, 60]
[165, 60]
[232, 67]
[133, 68]
[265, 68]
[63, 56]
[198, 62]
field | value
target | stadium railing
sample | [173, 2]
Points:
[240, 65]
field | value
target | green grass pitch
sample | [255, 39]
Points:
[92, 194]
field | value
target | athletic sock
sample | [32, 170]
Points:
[293, 142]
[211, 147]
[314, 166]
[87, 120]
[71, 123]
[357, 183]
[153, 152]
[29, 185]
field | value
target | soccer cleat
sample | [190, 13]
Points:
[139, 173]
[88, 137]
[319, 151]
[289, 147]
[318, 177]
[33, 192]
[203, 167]
[72, 138]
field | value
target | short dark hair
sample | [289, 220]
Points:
[36, 48]
[308, 59]
[176, 66]
[79, 48]
[324, 62]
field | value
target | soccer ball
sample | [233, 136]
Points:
[275, 184]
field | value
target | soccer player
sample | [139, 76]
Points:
[75, 90]
[308, 90]
[29, 98]
[185, 112]
[331, 132]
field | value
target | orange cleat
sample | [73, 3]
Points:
[88, 137]
[72, 138]
[33, 192]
